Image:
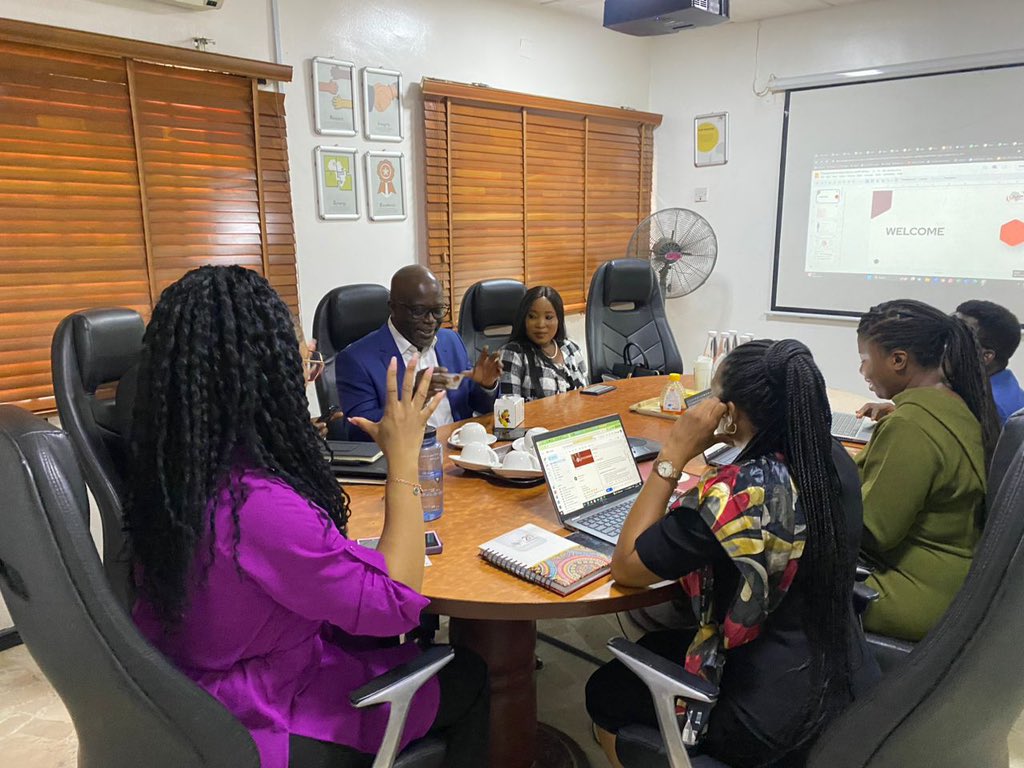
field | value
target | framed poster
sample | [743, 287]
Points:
[711, 139]
[337, 190]
[334, 97]
[382, 104]
[385, 185]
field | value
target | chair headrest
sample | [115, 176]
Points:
[107, 343]
[496, 302]
[349, 313]
[628, 280]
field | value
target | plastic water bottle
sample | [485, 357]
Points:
[432, 475]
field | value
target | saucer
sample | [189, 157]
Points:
[454, 440]
[518, 474]
[472, 465]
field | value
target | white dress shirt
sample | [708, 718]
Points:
[428, 358]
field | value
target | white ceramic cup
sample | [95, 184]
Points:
[478, 453]
[472, 432]
[531, 433]
[520, 460]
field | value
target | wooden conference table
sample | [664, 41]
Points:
[495, 613]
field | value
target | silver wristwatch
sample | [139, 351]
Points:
[667, 469]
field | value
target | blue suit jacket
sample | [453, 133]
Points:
[361, 371]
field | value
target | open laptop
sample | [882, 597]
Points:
[591, 475]
[847, 427]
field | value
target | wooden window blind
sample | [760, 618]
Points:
[118, 175]
[534, 189]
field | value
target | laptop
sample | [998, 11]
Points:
[591, 476]
[847, 427]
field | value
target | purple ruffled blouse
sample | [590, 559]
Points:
[285, 636]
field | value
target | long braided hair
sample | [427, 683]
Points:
[221, 386]
[779, 387]
[522, 339]
[936, 340]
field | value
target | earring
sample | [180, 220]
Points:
[730, 427]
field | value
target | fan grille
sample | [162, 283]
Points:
[681, 247]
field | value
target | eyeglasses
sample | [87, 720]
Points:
[313, 366]
[417, 312]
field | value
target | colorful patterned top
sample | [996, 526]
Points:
[541, 376]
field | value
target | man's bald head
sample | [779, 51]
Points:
[417, 304]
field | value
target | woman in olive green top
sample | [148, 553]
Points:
[923, 472]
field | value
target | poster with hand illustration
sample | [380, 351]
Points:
[385, 185]
[337, 185]
[382, 104]
[334, 97]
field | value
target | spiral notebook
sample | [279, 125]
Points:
[546, 558]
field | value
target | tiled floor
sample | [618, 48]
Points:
[36, 732]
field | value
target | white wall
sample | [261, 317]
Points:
[717, 69]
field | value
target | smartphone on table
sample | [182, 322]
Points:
[597, 389]
[431, 539]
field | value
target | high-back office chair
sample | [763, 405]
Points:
[625, 305]
[951, 704]
[486, 314]
[130, 707]
[90, 349]
[345, 314]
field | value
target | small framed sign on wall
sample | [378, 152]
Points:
[337, 183]
[334, 97]
[382, 104]
[385, 185]
[711, 139]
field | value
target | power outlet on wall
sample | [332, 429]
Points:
[700, 195]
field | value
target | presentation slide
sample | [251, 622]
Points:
[905, 188]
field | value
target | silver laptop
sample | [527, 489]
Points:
[846, 426]
[591, 475]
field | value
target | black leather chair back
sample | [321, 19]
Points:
[1011, 439]
[486, 314]
[344, 315]
[953, 701]
[90, 349]
[130, 707]
[624, 305]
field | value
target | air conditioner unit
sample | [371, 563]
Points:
[662, 17]
[195, 5]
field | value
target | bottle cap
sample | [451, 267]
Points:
[675, 377]
[430, 433]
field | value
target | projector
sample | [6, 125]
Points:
[197, 5]
[662, 17]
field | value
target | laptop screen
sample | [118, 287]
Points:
[587, 464]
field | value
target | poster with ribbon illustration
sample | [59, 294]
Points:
[385, 185]
[337, 183]
[382, 104]
[334, 97]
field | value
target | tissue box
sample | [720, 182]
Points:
[508, 412]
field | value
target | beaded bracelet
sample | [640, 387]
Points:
[417, 489]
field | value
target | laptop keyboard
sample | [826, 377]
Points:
[847, 425]
[610, 519]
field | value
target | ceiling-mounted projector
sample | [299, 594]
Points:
[198, 5]
[662, 17]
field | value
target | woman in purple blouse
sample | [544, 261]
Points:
[246, 579]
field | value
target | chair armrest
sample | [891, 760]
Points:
[863, 596]
[862, 572]
[666, 681]
[397, 687]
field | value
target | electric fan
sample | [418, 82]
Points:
[681, 247]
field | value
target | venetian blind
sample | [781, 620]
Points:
[534, 189]
[117, 176]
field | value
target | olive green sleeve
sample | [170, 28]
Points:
[896, 473]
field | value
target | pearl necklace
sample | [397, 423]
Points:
[551, 356]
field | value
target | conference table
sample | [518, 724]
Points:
[495, 613]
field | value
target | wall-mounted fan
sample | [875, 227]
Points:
[681, 247]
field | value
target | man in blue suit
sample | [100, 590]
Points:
[417, 309]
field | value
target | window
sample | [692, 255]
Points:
[538, 190]
[118, 174]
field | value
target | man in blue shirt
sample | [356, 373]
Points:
[999, 335]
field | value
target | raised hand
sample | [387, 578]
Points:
[487, 370]
[399, 433]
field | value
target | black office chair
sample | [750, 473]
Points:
[130, 707]
[951, 704]
[486, 314]
[91, 349]
[344, 315]
[625, 305]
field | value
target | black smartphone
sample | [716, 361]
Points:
[597, 389]
[431, 539]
